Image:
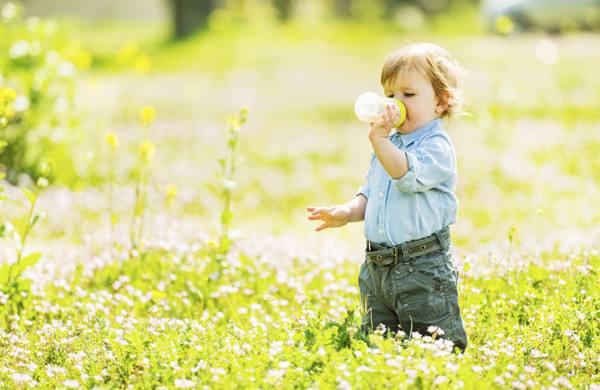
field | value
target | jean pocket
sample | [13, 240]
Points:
[433, 310]
[440, 275]
[420, 296]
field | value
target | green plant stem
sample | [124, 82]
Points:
[23, 237]
[110, 198]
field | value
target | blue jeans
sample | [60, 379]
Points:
[413, 296]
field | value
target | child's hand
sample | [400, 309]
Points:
[383, 126]
[334, 216]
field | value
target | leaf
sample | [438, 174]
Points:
[30, 195]
[24, 284]
[26, 262]
[31, 259]
[35, 219]
[4, 267]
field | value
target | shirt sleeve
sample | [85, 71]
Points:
[429, 165]
[365, 188]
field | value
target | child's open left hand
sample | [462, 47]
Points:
[334, 216]
[383, 126]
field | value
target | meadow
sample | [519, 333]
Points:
[174, 252]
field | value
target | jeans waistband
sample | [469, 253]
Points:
[383, 254]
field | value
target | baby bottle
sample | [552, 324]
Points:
[369, 107]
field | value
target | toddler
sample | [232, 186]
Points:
[408, 280]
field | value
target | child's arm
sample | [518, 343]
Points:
[337, 216]
[391, 158]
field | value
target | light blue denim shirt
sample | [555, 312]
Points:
[420, 202]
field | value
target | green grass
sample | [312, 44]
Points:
[161, 318]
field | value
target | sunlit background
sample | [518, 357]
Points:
[528, 151]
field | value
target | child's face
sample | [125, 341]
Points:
[416, 92]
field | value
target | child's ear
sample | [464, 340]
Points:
[442, 102]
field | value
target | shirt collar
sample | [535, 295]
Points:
[414, 135]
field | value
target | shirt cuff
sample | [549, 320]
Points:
[363, 190]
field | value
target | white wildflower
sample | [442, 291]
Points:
[518, 385]
[21, 378]
[184, 383]
[476, 368]
[435, 330]
[71, 384]
[439, 380]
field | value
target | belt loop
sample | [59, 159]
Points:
[369, 245]
[404, 251]
[395, 254]
[440, 239]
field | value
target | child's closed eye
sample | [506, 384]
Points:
[409, 94]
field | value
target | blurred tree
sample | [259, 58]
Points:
[353, 8]
[190, 15]
[427, 6]
[284, 9]
[342, 8]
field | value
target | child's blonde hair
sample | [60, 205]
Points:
[434, 62]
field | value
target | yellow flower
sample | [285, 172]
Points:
[243, 115]
[112, 139]
[142, 63]
[233, 122]
[504, 25]
[81, 58]
[9, 111]
[147, 150]
[212, 244]
[171, 193]
[127, 52]
[8, 94]
[147, 115]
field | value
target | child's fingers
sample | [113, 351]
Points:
[379, 122]
[393, 110]
[315, 217]
[323, 226]
[323, 211]
[390, 114]
[315, 210]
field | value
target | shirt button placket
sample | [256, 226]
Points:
[382, 215]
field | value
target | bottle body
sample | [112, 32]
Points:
[369, 107]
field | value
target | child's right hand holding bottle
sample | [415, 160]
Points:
[334, 216]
